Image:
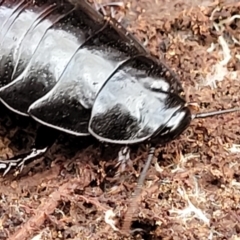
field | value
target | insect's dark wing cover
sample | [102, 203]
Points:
[133, 104]
[23, 26]
[68, 105]
[58, 40]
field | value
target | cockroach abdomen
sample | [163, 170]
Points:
[128, 111]
[50, 56]
[67, 106]
[63, 113]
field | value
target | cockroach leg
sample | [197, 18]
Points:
[124, 158]
[20, 162]
[124, 154]
[44, 140]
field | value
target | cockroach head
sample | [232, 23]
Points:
[177, 123]
[180, 120]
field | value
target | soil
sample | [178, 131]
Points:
[192, 189]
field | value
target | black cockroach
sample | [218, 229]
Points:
[72, 69]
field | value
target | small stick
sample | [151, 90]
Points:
[46, 208]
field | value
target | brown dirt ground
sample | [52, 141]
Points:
[192, 190]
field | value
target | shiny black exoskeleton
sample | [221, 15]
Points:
[74, 70]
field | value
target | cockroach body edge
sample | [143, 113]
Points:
[72, 69]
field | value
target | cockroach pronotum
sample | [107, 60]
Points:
[73, 69]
